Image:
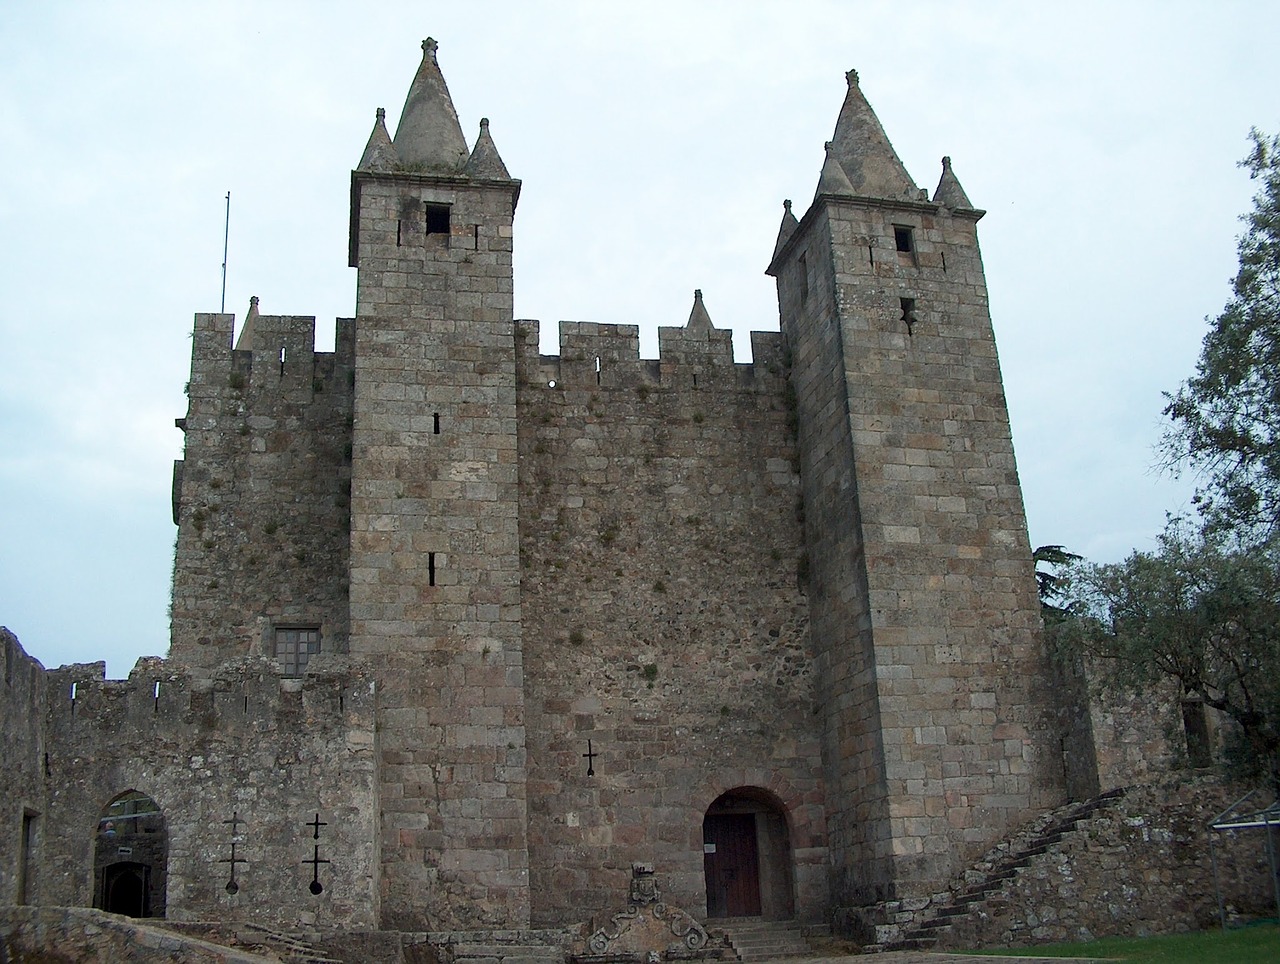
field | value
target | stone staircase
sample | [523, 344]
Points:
[757, 939]
[989, 875]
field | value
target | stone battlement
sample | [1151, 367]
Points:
[608, 356]
[248, 696]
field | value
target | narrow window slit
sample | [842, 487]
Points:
[342, 703]
[435, 423]
[477, 238]
[398, 223]
[282, 361]
[431, 568]
[597, 369]
[871, 254]
[245, 709]
[944, 261]
[695, 379]
[155, 698]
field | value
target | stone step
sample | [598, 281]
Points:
[755, 939]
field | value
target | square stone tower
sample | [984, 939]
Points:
[435, 570]
[923, 606]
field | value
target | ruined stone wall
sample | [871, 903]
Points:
[435, 569]
[22, 782]
[243, 743]
[262, 497]
[664, 612]
[1143, 866]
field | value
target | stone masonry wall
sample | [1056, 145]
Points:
[435, 568]
[22, 783]
[665, 615]
[272, 752]
[261, 498]
[861, 847]
[1140, 867]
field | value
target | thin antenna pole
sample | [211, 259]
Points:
[226, 236]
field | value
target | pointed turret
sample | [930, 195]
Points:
[699, 320]
[864, 153]
[833, 179]
[949, 193]
[379, 154]
[786, 228]
[485, 162]
[245, 341]
[429, 137]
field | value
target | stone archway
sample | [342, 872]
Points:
[747, 859]
[130, 857]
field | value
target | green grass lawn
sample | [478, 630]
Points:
[1259, 944]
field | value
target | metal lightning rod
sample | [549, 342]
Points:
[226, 236]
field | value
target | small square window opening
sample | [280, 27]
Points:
[437, 218]
[902, 238]
[294, 647]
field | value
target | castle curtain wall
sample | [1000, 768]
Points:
[664, 608]
[243, 745]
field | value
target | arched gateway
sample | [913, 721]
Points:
[130, 857]
[747, 860]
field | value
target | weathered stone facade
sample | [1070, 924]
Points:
[462, 632]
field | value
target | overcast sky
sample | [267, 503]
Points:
[656, 142]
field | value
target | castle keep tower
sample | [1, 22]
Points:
[435, 572]
[923, 607]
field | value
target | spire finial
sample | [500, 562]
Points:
[429, 48]
[382, 114]
[786, 205]
[697, 294]
[852, 77]
[946, 162]
[253, 301]
[484, 123]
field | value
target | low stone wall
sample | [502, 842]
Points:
[77, 935]
[1141, 866]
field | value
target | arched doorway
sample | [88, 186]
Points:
[746, 848]
[130, 857]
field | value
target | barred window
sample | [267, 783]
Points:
[294, 646]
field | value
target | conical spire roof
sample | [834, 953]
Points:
[833, 179]
[245, 341]
[379, 154]
[485, 162]
[699, 320]
[864, 153]
[429, 137]
[786, 228]
[949, 193]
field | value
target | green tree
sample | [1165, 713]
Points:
[1226, 418]
[1200, 611]
[1050, 583]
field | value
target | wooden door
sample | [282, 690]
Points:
[731, 860]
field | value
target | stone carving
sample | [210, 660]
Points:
[646, 928]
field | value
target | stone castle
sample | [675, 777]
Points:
[461, 632]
